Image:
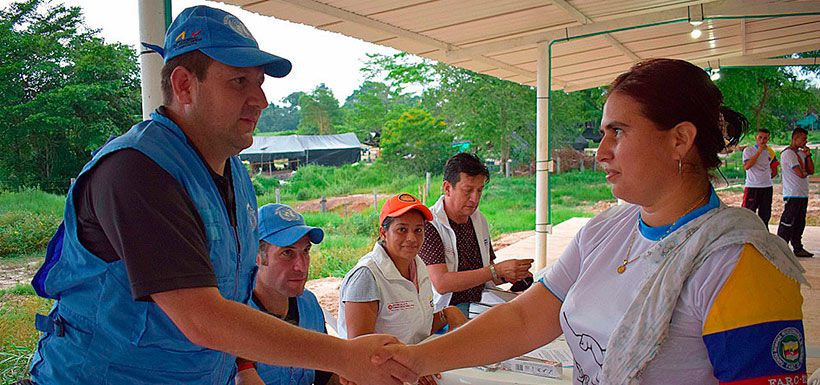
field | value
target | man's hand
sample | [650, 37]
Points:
[406, 355]
[514, 270]
[360, 368]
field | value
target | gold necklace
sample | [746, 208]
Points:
[622, 267]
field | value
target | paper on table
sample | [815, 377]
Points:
[554, 351]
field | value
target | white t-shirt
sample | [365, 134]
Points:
[595, 295]
[793, 185]
[759, 175]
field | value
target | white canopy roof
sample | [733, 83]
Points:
[500, 37]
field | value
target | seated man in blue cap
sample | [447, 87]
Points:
[154, 265]
[283, 259]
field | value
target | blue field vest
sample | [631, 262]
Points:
[310, 317]
[96, 333]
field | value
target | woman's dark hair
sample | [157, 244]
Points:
[672, 91]
[387, 222]
[467, 163]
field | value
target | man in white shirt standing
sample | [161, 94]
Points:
[797, 166]
[761, 166]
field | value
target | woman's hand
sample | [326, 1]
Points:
[455, 317]
[360, 366]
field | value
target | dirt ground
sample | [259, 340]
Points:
[812, 214]
[351, 203]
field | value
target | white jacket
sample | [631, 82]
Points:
[403, 311]
[448, 238]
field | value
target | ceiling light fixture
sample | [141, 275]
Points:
[696, 19]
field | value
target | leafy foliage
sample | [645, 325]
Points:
[417, 141]
[63, 92]
[320, 112]
[18, 338]
[369, 107]
[27, 221]
[277, 118]
[496, 116]
[771, 98]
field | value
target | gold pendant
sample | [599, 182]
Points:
[621, 269]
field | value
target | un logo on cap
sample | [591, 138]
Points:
[288, 214]
[235, 24]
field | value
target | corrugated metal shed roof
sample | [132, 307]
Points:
[595, 40]
[296, 145]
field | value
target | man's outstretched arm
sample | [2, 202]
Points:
[211, 321]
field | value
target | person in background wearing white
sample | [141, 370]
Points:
[761, 166]
[457, 247]
[797, 166]
[389, 291]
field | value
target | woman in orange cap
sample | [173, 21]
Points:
[389, 291]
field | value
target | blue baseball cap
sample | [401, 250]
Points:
[219, 35]
[282, 226]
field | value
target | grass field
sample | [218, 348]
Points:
[29, 218]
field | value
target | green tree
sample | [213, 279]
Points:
[63, 92]
[769, 97]
[277, 118]
[320, 112]
[497, 116]
[367, 109]
[571, 110]
[417, 141]
[484, 110]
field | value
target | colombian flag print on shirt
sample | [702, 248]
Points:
[754, 329]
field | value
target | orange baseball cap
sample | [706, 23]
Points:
[399, 204]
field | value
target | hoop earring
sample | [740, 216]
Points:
[680, 167]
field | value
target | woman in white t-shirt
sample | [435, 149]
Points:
[389, 291]
[674, 288]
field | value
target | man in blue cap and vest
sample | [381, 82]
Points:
[283, 260]
[155, 261]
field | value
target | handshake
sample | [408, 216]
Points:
[383, 359]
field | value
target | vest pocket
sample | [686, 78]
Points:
[159, 332]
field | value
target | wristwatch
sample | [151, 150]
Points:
[493, 272]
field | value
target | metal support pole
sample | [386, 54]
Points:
[507, 170]
[152, 20]
[541, 158]
[426, 187]
[278, 195]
